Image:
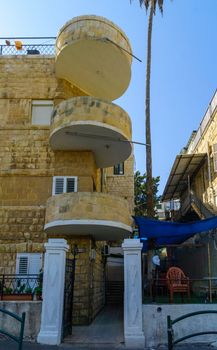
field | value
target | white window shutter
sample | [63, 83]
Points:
[41, 112]
[215, 157]
[58, 185]
[28, 263]
[35, 263]
[64, 184]
[22, 264]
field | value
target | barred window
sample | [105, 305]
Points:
[119, 169]
[64, 184]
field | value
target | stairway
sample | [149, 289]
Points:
[114, 292]
[204, 210]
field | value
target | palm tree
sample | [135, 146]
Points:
[149, 4]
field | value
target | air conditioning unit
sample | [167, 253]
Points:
[105, 250]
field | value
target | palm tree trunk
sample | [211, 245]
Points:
[150, 199]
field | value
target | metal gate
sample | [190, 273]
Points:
[68, 297]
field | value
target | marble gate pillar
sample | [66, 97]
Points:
[133, 321]
[53, 292]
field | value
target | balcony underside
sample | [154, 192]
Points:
[101, 230]
[88, 124]
[102, 140]
[99, 68]
[95, 55]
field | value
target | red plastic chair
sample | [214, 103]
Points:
[177, 282]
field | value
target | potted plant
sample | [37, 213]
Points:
[38, 289]
[38, 293]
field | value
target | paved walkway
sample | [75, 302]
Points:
[33, 346]
[107, 328]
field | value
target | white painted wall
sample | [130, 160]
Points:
[32, 322]
[155, 322]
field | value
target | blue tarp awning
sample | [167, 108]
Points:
[164, 233]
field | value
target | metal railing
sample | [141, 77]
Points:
[14, 286]
[202, 291]
[203, 209]
[170, 331]
[27, 46]
[17, 338]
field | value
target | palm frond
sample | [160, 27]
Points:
[154, 3]
[160, 5]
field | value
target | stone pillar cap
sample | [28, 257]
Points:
[57, 243]
[132, 244]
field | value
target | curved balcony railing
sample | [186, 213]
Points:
[95, 55]
[86, 123]
[103, 216]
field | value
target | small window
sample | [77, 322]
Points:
[41, 112]
[64, 184]
[119, 169]
[214, 150]
[28, 263]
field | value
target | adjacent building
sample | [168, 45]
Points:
[193, 183]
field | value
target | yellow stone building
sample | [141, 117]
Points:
[66, 153]
[193, 182]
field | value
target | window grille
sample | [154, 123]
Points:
[64, 184]
[119, 169]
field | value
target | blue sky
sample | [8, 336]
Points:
[183, 62]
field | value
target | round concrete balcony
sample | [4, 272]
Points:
[88, 124]
[94, 54]
[99, 215]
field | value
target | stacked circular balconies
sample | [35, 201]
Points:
[94, 55]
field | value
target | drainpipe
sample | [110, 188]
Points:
[101, 179]
[210, 175]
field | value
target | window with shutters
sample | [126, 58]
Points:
[119, 169]
[64, 184]
[214, 150]
[28, 263]
[41, 112]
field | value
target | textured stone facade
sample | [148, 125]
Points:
[87, 206]
[122, 185]
[28, 165]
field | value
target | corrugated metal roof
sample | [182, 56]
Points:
[184, 165]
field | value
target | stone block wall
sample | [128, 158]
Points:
[205, 187]
[98, 283]
[27, 167]
[122, 185]
[88, 298]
